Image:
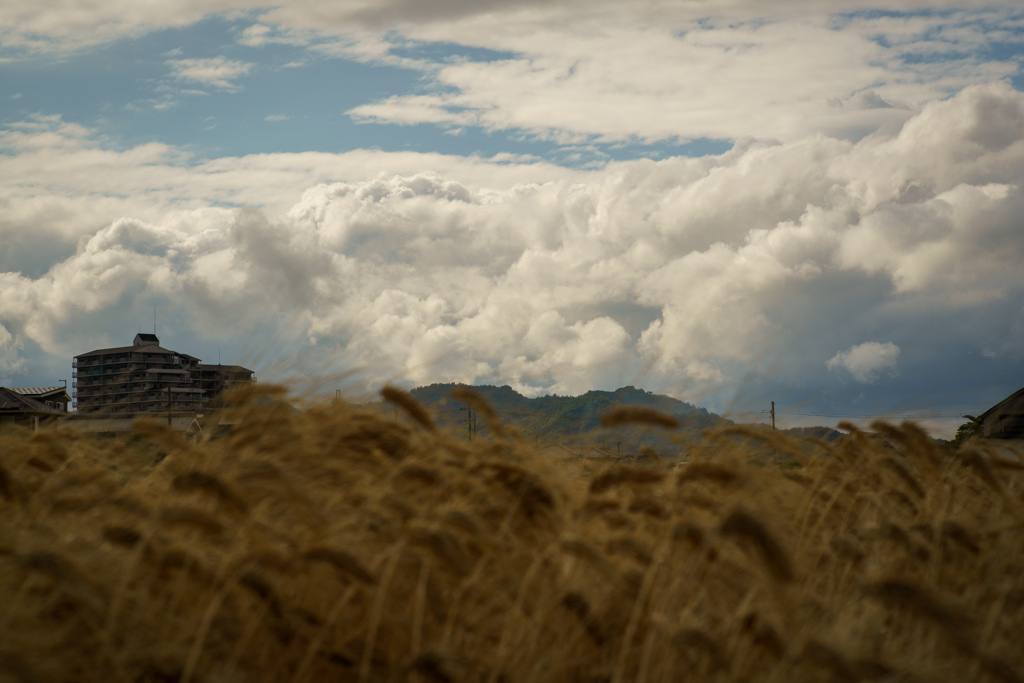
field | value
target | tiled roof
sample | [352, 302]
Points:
[12, 400]
[37, 391]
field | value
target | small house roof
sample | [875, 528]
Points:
[39, 391]
[1005, 420]
[12, 401]
[1012, 398]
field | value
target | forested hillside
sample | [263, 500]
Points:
[572, 421]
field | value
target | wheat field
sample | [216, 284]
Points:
[332, 544]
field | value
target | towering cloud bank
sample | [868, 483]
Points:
[690, 275]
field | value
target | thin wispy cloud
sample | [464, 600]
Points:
[707, 79]
[217, 72]
[259, 35]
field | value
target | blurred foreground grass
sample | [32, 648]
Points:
[331, 544]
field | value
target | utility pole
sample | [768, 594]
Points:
[168, 405]
[470, 421]
[773, 414]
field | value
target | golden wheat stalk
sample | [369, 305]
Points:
[404, 400]
[744, 526]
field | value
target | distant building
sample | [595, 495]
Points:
[216, 379]
[1005, 420]
[147, 378]
[24, 411]
[55, 398]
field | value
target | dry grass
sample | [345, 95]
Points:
[331, 544]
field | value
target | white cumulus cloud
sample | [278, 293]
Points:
[866, 362]
[684, 275]
[11, 362]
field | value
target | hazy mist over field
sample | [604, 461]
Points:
[820, 205]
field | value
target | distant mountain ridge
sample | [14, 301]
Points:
[572, 421]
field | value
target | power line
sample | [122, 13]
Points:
[761, 414]
[870, 415]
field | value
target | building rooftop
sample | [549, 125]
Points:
[1005, 420]
[1015, 396]
[37, 391]
[12, 400]
[148, 348]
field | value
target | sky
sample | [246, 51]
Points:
[731, 202]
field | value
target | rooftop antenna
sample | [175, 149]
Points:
[218, 355]
[154, 320]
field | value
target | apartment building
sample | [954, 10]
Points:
[147, 378]
[214, 380]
